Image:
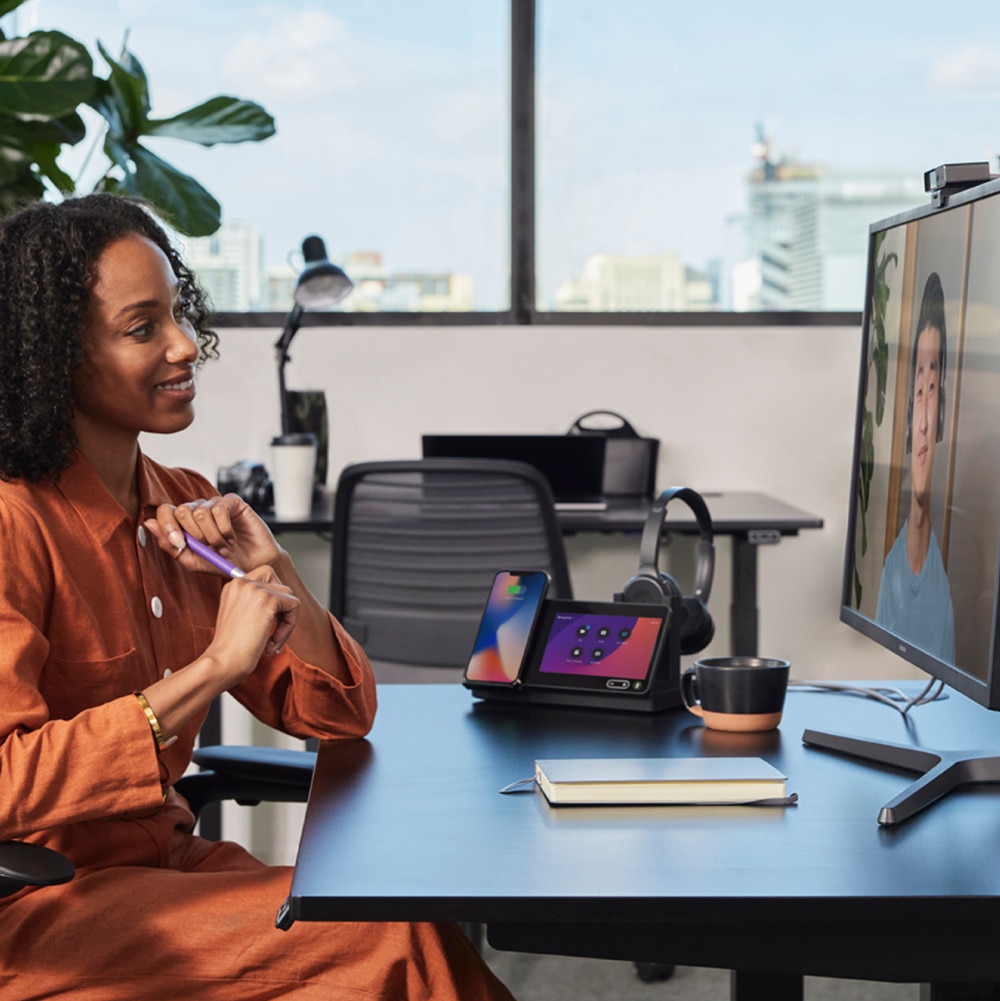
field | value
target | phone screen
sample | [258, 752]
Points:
[510, 614]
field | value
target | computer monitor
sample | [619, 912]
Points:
[923, 538]
[573, 465]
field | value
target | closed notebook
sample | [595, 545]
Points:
[658, 780]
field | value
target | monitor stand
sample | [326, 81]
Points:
[941, 771]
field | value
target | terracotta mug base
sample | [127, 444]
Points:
[741, 722]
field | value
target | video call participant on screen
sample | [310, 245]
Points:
[914, 598]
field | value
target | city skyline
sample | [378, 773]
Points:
[393, 121]
[805, 231]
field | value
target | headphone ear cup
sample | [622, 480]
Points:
[644, 590]
[697, 627]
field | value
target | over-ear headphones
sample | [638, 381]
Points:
[651, 586]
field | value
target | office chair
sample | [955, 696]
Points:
[416, 543]
[248, 775]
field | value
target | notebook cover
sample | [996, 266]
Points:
[658, 780]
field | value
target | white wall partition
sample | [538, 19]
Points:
[736, 408]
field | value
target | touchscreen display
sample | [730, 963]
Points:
[598, 645]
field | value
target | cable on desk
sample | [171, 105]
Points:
[889, 696]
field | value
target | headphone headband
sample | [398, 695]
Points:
[649, 545]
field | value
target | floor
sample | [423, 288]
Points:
[554, 978]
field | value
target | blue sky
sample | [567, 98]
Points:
[392, 116]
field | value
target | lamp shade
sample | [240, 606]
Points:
[321, 283]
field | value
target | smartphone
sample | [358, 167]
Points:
[509, 617]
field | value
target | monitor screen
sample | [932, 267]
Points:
[924, 519]
[573, 464]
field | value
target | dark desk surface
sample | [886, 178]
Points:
[732, 512]
[409, 824]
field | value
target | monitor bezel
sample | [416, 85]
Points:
[985, 692]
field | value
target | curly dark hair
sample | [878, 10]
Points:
[48, 260]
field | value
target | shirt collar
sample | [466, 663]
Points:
[85, 491]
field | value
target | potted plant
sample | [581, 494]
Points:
[46, 77]
[877, 366]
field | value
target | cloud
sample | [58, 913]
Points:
[972, 68]
[304, 54]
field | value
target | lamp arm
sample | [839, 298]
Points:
[284, 342]
[281, 346]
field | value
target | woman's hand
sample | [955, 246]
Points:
[228, 524]
[257, 614]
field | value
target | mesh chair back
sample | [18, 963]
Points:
[417, 542]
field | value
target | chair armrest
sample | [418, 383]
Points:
[273, 764]
[249, 775]
[23, 864]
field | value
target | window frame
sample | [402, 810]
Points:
[523, 310]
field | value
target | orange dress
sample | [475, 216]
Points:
[91, 610]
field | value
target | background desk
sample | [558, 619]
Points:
[409, 825]
[751, 519]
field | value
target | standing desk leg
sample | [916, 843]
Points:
[745, 986]
[743, 624]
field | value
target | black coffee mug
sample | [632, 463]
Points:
[736, 693]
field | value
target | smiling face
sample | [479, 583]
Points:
[140, 350]
[926, 400]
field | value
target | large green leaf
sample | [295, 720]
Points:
[104, 103]
[6, 6]
[46, 75]
[118, 152]
[128, 90]
[23, 143]
[67, 130]
[24, 189]
[186, 204]
[16, 148]
[45, 159]
[219, 120]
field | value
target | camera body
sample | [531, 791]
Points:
[250, 480]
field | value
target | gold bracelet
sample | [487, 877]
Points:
[154, 723]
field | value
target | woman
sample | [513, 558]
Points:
[115, 638]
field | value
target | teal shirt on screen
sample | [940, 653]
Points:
[917, 607]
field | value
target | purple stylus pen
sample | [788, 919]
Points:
[208, 553]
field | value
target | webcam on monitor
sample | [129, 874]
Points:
[951, 178]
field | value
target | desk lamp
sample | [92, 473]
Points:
[320, 284]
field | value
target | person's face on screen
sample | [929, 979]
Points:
[926, 397]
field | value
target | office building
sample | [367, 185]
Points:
[650, 282]
[806, 233]
[229, 265]
[377, 289]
